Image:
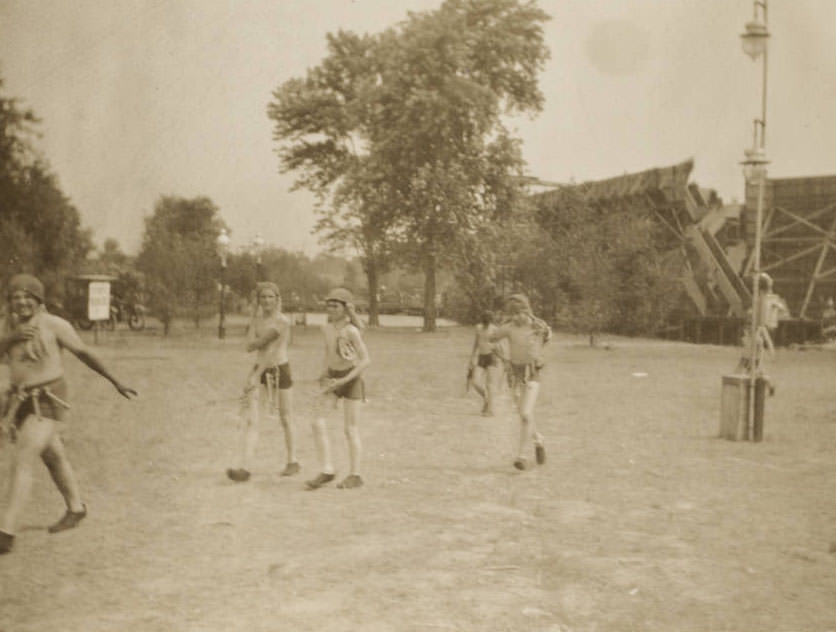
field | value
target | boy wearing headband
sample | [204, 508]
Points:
[268, 385]
[485, 359]
[526, 335]
[32, 342]
[346, 358]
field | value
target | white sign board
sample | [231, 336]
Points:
[98, 300]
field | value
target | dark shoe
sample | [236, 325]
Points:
[239, 476]
[69, 521]
[321, 479]
[290, 469]
[521, 464]
[350, 482]
[540, 454]
[6, 542]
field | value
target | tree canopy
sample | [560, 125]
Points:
[178, 256]
[40, 229]
[402, 134]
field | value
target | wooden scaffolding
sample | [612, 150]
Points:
[798, 240]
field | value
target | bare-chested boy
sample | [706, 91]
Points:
[526, 335]
[485, 361]
[346, 358]
[38, 401]
[269, 383]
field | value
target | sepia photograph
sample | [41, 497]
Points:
[417, 315]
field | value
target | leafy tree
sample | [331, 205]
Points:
[324, 126]
[111, 257]
[596, 268]
[402, 132]
[40, 228]
[450, 78]
[178, 257]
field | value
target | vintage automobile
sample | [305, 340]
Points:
[77, 296]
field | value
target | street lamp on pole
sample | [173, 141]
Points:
[754, 41]
[258, 248]
[222, 243]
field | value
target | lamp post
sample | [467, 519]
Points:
[222, 243]
[754, 41]
[258, 247]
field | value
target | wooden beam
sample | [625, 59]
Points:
[802, 220]
[792, 240]
[817, 271]
[667, 224]
[797, 255]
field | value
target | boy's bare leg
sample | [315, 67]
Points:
[32, 438]
[352, 436]
[251, 426]
[323, 449]
[491, 388]
[474, 381]
[62, 473]
[528, 427]
[323, 445]
[285, 408]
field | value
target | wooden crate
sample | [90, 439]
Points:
[734, 408]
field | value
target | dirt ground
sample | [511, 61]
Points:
[642, 519]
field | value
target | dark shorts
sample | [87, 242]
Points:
[278, 375]
[525, 373]
[355, 389]
[486, 360]
[35, 400]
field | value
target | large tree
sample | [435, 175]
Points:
[404, 131]
[178, 256]
[453, 76]
[324, 123]
[40, 229]
[596, 268]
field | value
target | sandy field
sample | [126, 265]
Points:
[641, 519]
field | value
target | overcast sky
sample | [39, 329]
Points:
[143, 98]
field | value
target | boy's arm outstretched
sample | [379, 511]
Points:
[70, 340]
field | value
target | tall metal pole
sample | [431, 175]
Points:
[222, 244]
[759, 171]
[221, 311]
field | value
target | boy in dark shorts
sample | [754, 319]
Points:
[484, 360]
[346, 358]
[36, 404]
[269, 383]
[526, 335]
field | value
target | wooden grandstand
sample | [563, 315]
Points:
[708, 247]
[798, 241]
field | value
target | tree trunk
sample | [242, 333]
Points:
[373, 282]
[429, 293]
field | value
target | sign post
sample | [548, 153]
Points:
[98, 304]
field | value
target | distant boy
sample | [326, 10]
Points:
[346, 358]
[527, 336]
[485, 364]
[269, 383]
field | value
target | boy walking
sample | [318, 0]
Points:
[485, 361]
[269, 383]
[526, 335]
[36, 406]
[346, 358]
